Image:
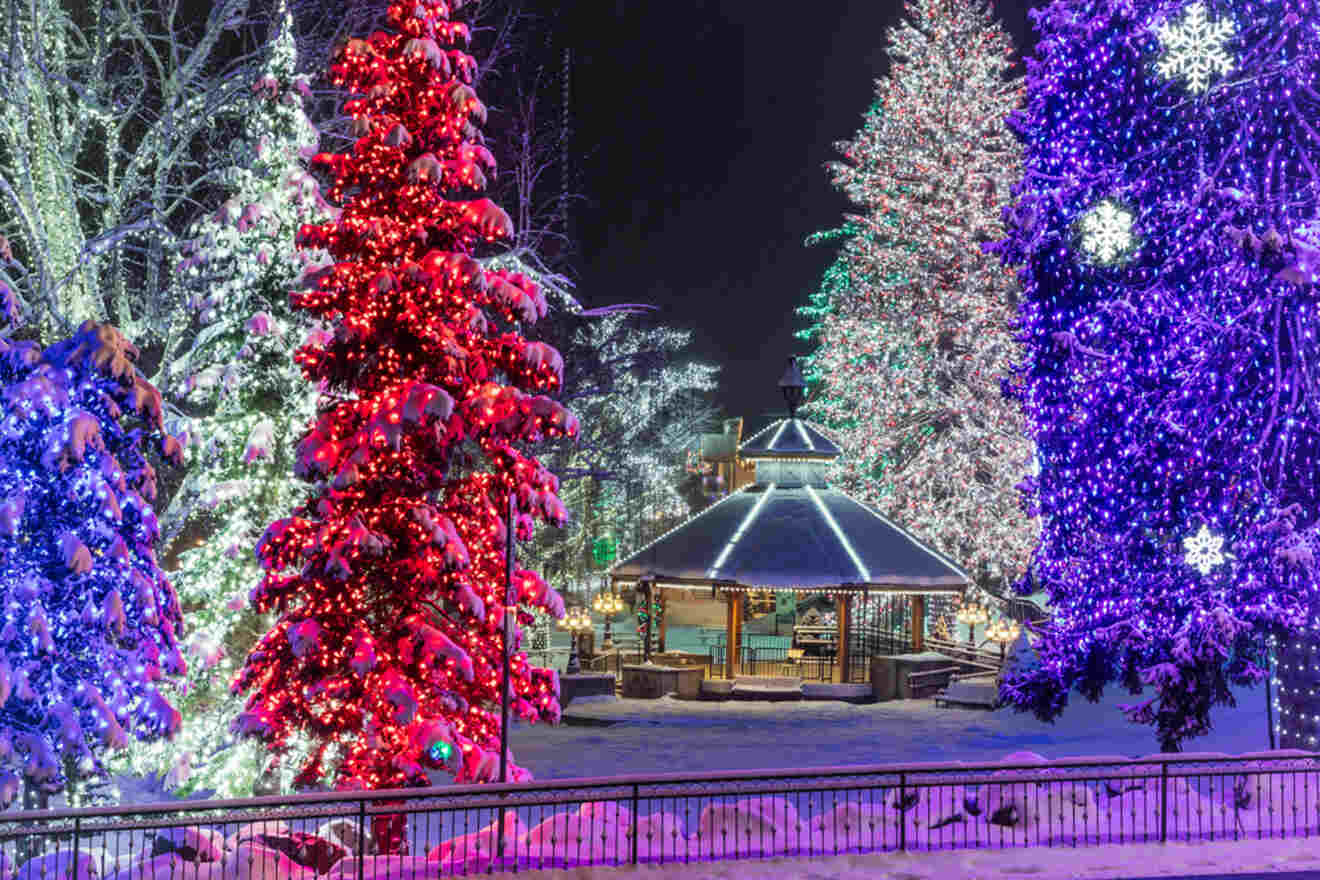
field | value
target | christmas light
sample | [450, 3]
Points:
[1204, 551]
[91, 624]
[248, 405]
[1195, 48]
[643, 404]
[1106, 233]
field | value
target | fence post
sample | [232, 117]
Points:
[635, 820]
[1164, 801]
[77, 829]
[362, 838]
[902, 820]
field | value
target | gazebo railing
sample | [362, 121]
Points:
[774, 662]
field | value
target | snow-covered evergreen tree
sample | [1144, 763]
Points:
[91, 622]
[837, 282]
[643, 402]
[1166, 230]
[247, 404]
[916, 341]
[390, 581]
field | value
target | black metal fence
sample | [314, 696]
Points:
[812, 665]
[461, 830]
[771, 660]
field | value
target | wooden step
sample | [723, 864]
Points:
[764, 687]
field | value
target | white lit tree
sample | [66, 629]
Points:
[643, 403]
[110, 124]
[641, 399]
[913, 349]
[247, 404]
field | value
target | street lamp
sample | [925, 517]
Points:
[607, 605]
[972, 614]
[1003, 631]
[577, 620]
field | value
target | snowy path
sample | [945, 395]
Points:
[668, 735]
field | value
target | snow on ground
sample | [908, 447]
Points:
[1082, 863]
[670, 735]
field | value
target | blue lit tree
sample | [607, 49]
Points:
[1164, 227]
[91, 624]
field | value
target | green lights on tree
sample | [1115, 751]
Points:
[604, 550]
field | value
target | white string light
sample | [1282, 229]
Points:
[747, 521]
[887, 521]
[838, 533]
[805, 437]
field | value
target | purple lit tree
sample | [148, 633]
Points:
[91, 624]
[1165, 227]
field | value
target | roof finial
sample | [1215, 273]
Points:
[793, 387]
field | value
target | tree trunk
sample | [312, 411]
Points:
[1295, 666]
[389, 831]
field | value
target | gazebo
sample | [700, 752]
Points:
[790, 531]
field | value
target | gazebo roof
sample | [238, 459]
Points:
[789, 438]
[799, 537]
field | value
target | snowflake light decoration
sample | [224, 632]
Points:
[1204, 550]
[1194, 48]
[1106, 232]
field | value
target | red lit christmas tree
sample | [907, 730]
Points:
[385, 662]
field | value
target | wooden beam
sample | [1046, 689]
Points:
[918, 624]
[843, 605]
[664, 620]
[732, 634]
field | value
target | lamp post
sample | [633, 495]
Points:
[607, 605]
[506, 637]
[575, 621]
[1002, 632]
[971, 614]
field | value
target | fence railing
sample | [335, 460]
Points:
[458, 830]
[773, 661]
[973, 657]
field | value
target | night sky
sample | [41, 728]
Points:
[705, 126]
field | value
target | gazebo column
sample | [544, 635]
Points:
[732, 633]
[843, 606]
[664, 619]
[918, 624]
